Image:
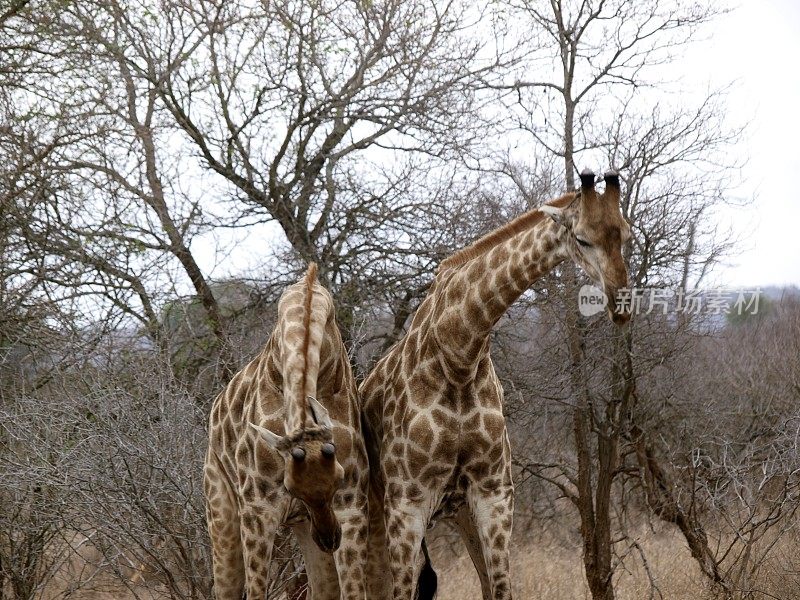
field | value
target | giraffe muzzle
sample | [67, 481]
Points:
[620, 318]
[327, 541]
[618, 309]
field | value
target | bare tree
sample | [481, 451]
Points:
[300, 99]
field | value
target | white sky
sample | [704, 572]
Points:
[758, 47]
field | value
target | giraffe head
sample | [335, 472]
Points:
[312, 472]
[594, 231]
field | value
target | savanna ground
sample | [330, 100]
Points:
[545, 567]
[553, 570]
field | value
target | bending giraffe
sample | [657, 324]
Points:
[285, 448]
[433, 405]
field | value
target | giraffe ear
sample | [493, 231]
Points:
[273, 440]
[555, 213]
[320, 413]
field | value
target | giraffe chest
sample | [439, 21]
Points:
[449, 445]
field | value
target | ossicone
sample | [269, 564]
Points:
[587, 179]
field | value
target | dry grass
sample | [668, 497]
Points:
[552, 570]
[549, 568]
[545, 566]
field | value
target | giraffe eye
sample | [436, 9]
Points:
[583, 243]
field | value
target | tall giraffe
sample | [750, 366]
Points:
[311, 476]
[433, 405]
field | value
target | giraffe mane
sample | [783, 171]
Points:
[309, 434]
[310, 280]
[521, 223]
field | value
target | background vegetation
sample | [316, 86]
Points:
[143, 145]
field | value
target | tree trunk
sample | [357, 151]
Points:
[658, 490]
[594, 493]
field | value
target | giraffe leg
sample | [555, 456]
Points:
[258, 532]
[471, 539]
[492, 516]
[379, 577]
[405, 528]
[222, 516]
[323, 583]
[351, 557]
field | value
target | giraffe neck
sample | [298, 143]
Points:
[471, 297]
[305, 366]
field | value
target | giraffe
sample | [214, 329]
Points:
[433, 406]
[312, 476]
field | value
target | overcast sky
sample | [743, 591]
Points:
[758, 47]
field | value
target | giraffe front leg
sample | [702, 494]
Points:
[222, 516]
[351, 557]
[492, 517]
[258, 531]
[228, 563]
[379, 576]
[405, 528]
[469, 535]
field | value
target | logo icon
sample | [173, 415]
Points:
[591, 300]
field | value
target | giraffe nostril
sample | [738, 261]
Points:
[328, 541]
[621, 318]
